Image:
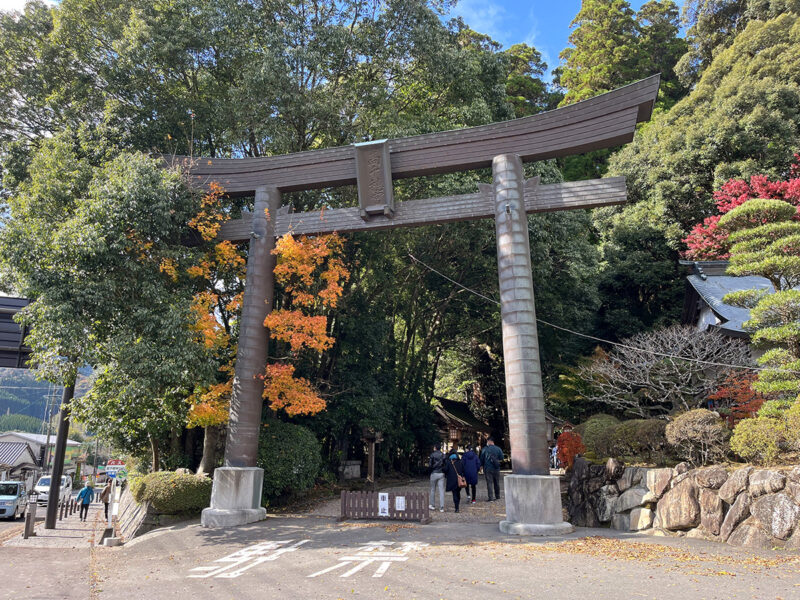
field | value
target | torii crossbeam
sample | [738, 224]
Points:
[533, 502]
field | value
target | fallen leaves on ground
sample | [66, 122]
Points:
[662, 555]
[398, 526]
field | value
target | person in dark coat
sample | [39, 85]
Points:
[452, 469]
[472, 464]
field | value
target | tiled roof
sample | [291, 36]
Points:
[712, 290]
[11, 451]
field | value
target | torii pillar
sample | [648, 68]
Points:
[236, 493]
[533, 497]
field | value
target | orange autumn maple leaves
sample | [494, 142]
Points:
[311, 272]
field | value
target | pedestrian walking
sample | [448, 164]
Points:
[491, 457]
[472, 464]
[437, 476]
[105, 496]
[454, 473]
[85, 497]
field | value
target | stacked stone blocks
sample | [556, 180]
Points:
[746, 507]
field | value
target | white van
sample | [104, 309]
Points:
[42, 488]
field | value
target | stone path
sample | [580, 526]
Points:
[55, 563]
[70, 532]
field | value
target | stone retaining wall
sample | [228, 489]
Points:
[747, 507]
[134, 519]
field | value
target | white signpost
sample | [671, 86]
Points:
[383, 504]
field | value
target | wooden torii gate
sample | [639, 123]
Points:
[532, 497]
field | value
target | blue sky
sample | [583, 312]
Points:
[539, 23]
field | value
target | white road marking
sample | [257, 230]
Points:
[247, 558]
[381, 552]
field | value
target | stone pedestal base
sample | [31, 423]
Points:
[533, 506]
[235, 498]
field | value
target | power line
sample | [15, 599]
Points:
[463, 287]
[604, 341]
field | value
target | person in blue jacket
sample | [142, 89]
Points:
[472, 464]
[85, 497]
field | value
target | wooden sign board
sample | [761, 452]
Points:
[389, 506]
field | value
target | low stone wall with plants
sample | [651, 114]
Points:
[159, 499]
[757, 508]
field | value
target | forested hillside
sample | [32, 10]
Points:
[22, 394]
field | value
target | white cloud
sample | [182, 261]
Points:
[531, 39]
[484, 17]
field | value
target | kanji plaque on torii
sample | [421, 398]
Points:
[533, 503]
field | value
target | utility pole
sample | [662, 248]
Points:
[58, 463]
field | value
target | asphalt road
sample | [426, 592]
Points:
[44, 574]
[307, 557]
[7, 524]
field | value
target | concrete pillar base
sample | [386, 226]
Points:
[533, 506]
[235, 498]
[232, 517]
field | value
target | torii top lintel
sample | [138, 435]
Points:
[601, 122]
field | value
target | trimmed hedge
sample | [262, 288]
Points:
[290, 457]
[638, 440]
[171, 493]
[758, 440]
[593, 432]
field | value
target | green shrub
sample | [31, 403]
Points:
[793, 426]
[698, 436]
[171, 493]
[758, 440]
[290, 457]
[774, 409]
[638, 440]
[594, 432]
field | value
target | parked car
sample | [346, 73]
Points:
[42, 488]
[13, 499]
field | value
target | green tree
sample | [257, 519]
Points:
[13, 422]
[766, 242]
[99, 250]
[660, 48]
[640, 282]
[676, 161]
[604, 51]
[613, 46]
[527, 91]
[712, 26]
